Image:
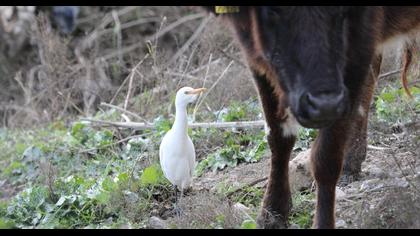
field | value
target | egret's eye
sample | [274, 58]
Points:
[186, 92]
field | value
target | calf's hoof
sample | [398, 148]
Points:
[268, 220]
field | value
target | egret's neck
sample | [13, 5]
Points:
[181, 121]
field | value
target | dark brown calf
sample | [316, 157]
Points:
[317, 67]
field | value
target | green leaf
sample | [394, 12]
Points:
[20, 148]
[103, 138]
[37, 196]
[108, 184]
[150, 176]
[162, 125]
[123, 178]
[220, 219]
[257, 152]
[80, 132]
[236, 111]
[248, 224]
[6, 224]
[103, 197]
[203, 165]
[415, 90]
[388, 97]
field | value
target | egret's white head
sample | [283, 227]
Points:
[187, 95]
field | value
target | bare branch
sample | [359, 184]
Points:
[389, 73]
[143, 126]
[154, 36]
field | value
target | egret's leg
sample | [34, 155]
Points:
[178, 210]
[175, 204]
[175, 191]
[180, 199]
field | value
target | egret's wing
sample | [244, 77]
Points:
[164, 152]
[191, 156]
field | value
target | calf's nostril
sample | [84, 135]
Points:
[322, 106]
[310, 100]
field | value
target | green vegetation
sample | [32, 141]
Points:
[82, 177]
[393, 105]
[241, 147]
[303, 207]
[78, 176]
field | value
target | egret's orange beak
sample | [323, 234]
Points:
[196, 91]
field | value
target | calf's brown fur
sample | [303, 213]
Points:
[318, 65]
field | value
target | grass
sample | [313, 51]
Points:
[81, 177]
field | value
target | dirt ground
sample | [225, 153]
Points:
[387, 195]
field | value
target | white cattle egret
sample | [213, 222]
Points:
[176, 152]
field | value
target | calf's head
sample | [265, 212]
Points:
[305, 49]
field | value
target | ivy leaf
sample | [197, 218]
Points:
[122, 178]
[78, 132]
[388, 97]
[103, 197]
[108, 184]
[150, 176]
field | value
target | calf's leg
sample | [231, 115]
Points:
[327, 159]
[281, 138]
[358, 134]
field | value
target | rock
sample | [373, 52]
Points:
[300, 172]
[376, 172]
[131, 197]
[340, 224]
[400, 182]
[157, 223]
[241, 210]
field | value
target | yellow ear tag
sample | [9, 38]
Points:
[226, 9]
